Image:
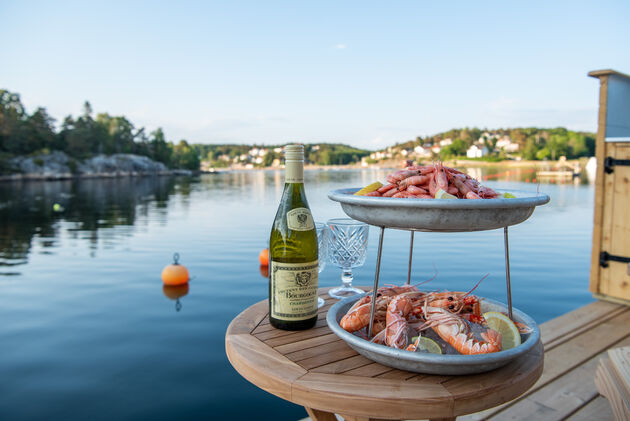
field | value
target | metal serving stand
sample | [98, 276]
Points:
[438, 215]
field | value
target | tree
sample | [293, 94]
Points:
[529, 152]
[160, 150]
[185, 156]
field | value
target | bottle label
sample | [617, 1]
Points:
[294, 290]
[300, 219]
[294, 171]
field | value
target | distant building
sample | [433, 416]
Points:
[422, 152]
[506, 144]
[436, 149]
[476, 152]
[446, 142]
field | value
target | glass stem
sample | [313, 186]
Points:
[346, 278]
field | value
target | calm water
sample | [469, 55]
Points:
[87, 332]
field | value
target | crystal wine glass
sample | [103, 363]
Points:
[347, 248]
[322, 250]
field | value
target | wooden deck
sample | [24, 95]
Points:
[574, 343]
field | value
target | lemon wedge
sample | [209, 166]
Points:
[370, 188]
[441, 194]
[427, 345]
[506, 327]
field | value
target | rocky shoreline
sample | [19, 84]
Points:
[59, 166]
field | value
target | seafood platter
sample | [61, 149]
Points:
[429, 211]
[447, 332]
[450, 361]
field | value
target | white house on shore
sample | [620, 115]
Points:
[506, 144]
[422, 152]
[476, 151]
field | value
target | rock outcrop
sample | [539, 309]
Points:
[57, 165]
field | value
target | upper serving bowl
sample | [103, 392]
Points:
[442, 215]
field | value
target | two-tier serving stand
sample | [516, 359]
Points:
[438, 215]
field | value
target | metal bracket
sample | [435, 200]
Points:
[610, 162]
[604, 257]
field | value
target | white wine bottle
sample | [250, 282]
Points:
[293, 259]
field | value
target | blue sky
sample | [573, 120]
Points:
[358, 72]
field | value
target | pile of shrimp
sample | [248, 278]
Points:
[449, 314]
[424, 181]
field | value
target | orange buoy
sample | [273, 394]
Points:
[175, 274]
[263, 257]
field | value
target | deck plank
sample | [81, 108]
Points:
[561, 325]
[597, 409]
[569, 355]
[559, 399]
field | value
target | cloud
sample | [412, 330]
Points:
[341, 46]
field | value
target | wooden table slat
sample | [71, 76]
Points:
[300, 334]
[343, 365]
[306, 343]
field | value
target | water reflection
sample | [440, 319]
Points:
[36, 211]
[175, 292]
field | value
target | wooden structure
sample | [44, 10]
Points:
[610, 261]
[316, 369]
[613, 381]
[574, 344]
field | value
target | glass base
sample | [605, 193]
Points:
[344, 292]
[320, 302]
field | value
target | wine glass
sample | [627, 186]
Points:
[322, 250]
[347, 248]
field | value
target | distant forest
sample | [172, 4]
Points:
[534, 143]
[23, 133]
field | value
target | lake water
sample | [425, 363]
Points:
[87, 332]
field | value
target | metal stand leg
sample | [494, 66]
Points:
[410, 258]
[376, 275]
[507, 271]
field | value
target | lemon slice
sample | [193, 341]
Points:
[427, 345]
[370, 188]
[508, 195]
[441, 194]
[506, 327]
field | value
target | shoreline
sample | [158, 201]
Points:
[18, 177]
[386, 165]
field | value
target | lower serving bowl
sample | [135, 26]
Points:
[434, 363]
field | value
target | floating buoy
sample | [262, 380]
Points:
[263, 257]
[175, 274]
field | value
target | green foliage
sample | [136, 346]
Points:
[185, 156]
[534, 143]
[84, 136]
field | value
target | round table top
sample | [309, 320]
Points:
[316, 369]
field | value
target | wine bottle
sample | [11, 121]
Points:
[293, 258]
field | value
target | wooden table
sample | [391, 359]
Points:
[316, 369]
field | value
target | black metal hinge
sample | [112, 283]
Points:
[604, 257]
[610, 162]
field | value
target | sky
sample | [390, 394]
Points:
[364, 73]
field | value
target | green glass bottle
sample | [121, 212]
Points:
[293, 260]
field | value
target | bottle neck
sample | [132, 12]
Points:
[294, 172]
